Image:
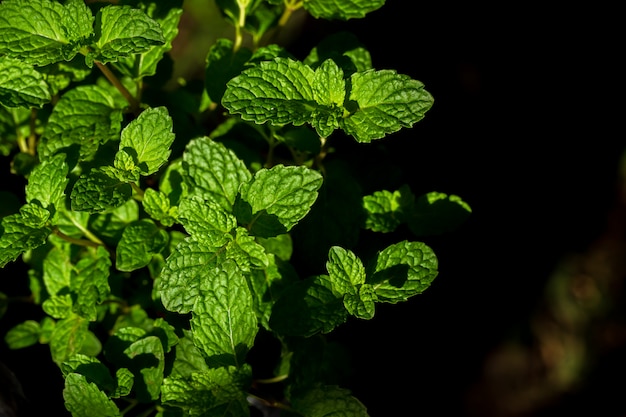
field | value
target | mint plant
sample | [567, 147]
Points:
[159, 225]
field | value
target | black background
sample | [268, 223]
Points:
[523, 129]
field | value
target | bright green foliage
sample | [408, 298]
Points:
[170, 226]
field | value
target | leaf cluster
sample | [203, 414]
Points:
[158, 224]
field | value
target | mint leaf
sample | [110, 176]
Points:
[23, 335]
[345, 270]
[327, 401]
[436, 213]
[344, 49]
[140, 241]
[22, 231]
[386, 210]
[402, 270]
[90, 285]
[148, 139]
[223, 323]
[123, 31]
[188, 358]
[285, 91]
[214, 171]
[85, 399]
[223, 64]
[385, 102]
[308, 307]
[111, 224]
[212, 392]
[47, 182]
[276, 199]
[99, 190]
[68, 337]
[361, 303]
[332, 9]
[145, 64]
[41, 32]
[85, 117]
[205, 219]
[157, 205]
[147, 357]
[21, 85]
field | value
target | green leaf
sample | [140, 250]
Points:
[223, 64]
[94, 370]
[67, 338]
[14, 123]
[285, 91]
[41, 32]
[85, 399]
[223, 323]
[123, 31]
[386, 210]
[205, 219]
[148, 139]
[21, 85]
[344, 10]
[308, 307]
[148, 364]
[22, 231]
[346, 271]
[276, 199]
[99, 190]
[214, 171]
[90, 282]
[47, 182]
[436, 213]
[385, 102]
[23, 335]
[109, 226]
[188, 359]
[402, 270]
[140, 241]
[213, 392]
[361, 303]
[145, 64]
[125, 380]
[157, 205]
[84, 118]
[327, 401]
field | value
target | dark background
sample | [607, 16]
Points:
[523, 129]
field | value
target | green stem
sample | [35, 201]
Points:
[80, 242]
[137, 190]
[273, 380]
[134, 104]
[86, 231]
[290, 7]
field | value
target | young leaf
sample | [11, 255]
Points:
[345, 269]
[223, 323]
[41, 32]
[435, 213]
[277, 199]
[157, 205]
[148, 139]
[99, 190]
[344, 10]
[123, 31]
[47, 182]
[21, 85]
[308, 307]
[326, 401]
[214, 172]
[205, 219]
[84, 117]
[140, 241]
[285, 91]
[402, 270]
[85, 399]
[385, 102]
[22, 231]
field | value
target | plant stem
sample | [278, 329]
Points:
[134, 104]
[290, 7]
[81, 242]
[137, 190]
[85, 231]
